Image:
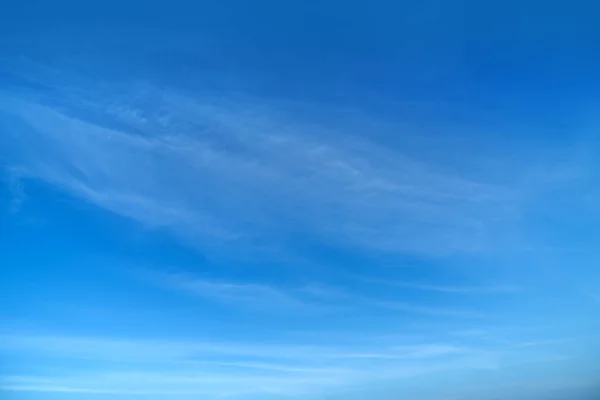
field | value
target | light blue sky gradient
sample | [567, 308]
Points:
[299, 200]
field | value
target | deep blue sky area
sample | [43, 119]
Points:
[299, 200]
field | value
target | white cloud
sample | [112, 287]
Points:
[414, 308]
[250, 295]
[449, 289]
[208, 355]
[195, 367]
[430, 351]
[214, 173]
[313, 298]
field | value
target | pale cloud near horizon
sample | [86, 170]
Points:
[211, 367]
[297, 363]
[196, 350]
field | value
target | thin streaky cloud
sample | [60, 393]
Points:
[252, 377]
[472, 332]
[539, 343]
[449, 289]
[180, 350]
[251, 295]
[211, 383]
[315, 297]
[354, 188]
[49, 388]
[413, 308]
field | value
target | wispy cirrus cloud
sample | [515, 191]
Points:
[420, 309]
[595, 297]
[219, 172]
[448, 288]
[223, 369]
[208, 367]
[315, 298]
[196, 350]
[252, 295]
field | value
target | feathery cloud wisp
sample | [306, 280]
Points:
[241, 178]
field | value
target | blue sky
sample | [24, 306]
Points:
[299, 200]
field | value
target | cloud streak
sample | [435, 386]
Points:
[127, 365]
[228, 369]
[216, 173]
[183, 351]
[450, 289]
[252, 295]
[312, 298]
